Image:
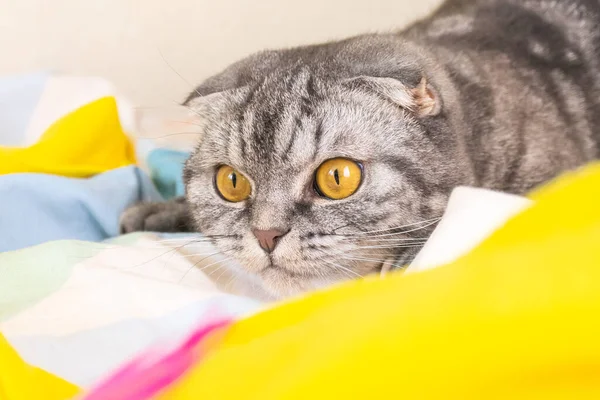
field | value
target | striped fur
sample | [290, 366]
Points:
[515, 85]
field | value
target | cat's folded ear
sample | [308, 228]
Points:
[237, 75]
[204, 105]
[423, 99]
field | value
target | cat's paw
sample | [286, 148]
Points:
[170, 216]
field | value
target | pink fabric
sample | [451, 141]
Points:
[148, 374]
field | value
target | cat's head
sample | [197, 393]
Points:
[318, 164]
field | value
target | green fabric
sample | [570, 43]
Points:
[29, 275]
[129, 239]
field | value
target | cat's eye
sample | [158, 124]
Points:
[338, 178]
[232, 185]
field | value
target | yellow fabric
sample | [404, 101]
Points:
[517, 318]
[19, 381]
[85, 142]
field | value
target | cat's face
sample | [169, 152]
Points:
[262, 184]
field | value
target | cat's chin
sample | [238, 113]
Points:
[281, 283]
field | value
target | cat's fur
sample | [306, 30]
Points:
[511, 98]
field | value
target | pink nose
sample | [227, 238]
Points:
[267, 239]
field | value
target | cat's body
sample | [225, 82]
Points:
[502, 94]
[527, 75]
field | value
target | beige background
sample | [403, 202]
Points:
[123, 39]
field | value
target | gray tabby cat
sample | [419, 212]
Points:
[500, 94]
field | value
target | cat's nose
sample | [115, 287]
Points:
[267, 239]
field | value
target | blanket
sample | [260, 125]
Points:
[515, 318]
[79, 306]
[109, 301]
[64, 303]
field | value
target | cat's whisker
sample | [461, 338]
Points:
[378, 260]
[390, 239]
[185, 122]
[370, 250]
[361, 232]
[118, 246]
[172, 134]
[231, 280]
[156, 107]
[344, 269]
[380, 257]
[194, 88]
[366, 254]
[221, 252]
[174, 249]
[408, 246]
[398, 233]
[213, 254]
[202, 238]
[204, 267]
[167, 249]
[199, 254]
[196, 254]
[428, 222]
[225, 268]
[175, 240]
[374, 260]
[193, 111]
[235, 274]
[315, 269]
[206, 256]
[156, 244]
[387, 240]
[211, 273]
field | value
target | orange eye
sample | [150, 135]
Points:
[338, 178]
[232, 185]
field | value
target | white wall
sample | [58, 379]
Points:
[123, 39]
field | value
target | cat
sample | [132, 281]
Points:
[322, 163]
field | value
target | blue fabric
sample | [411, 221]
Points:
[166, 170]
[36, 208]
